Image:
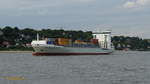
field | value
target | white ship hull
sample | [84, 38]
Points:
[60, 50]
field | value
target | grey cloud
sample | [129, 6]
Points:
[70, 14]
[27, 4]
[136, 3]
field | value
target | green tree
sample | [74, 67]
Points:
[28, 35]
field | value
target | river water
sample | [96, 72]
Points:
[121, 67]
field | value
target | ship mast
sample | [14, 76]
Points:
[37, 37]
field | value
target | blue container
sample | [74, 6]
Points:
[50, 42]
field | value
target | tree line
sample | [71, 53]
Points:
[15, 36]
[132, 43]
[20, 37]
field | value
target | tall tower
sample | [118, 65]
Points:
[104, 39]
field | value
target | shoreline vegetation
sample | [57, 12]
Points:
[17, 49]
[13, 51]
[19, 39]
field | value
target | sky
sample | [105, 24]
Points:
[122, 17]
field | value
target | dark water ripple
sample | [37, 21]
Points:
[119, 68]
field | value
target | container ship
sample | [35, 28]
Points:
[100, 44]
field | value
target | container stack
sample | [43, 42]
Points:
[94, 41]
[78, 42]
[68, 42]
[64, 41]
[50, 40]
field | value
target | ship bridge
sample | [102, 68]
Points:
[104, 39]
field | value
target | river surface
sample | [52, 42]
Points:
[121, 67]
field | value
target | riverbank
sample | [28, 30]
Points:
[17, 49]
[11, 51]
